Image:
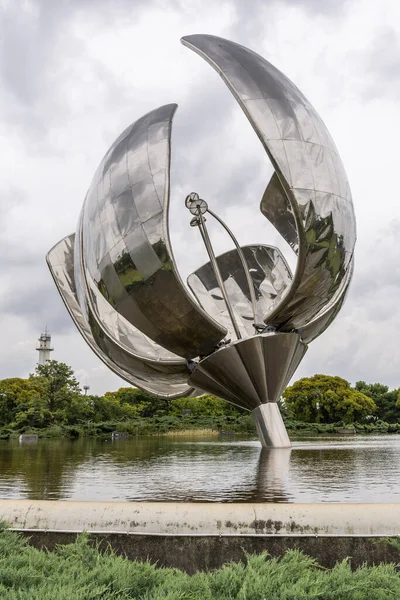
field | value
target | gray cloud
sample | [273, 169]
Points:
[40, 303]
[37, 43]
[382, 65]
[248, 14]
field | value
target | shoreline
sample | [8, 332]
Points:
[173, 427]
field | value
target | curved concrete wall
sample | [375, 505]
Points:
[203, 519]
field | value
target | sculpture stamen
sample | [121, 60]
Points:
[198, 207]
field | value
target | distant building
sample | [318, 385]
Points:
[44, 347]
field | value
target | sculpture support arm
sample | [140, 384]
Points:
[244, 264]
[210, 251]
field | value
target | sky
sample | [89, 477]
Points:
[75, 73]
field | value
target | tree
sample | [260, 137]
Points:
[60, 395]
[15, 394]
[59, 376]
[111, 407]
[146, 404]
[387, 408]
[327, 399]
[206, 405]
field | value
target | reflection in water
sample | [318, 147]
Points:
[272, 475]
[360, 469]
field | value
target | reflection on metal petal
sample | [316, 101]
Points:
[309, 170]
[126, 252]
[159, 378]
[269, 272]
[322, 321]
[275, 206]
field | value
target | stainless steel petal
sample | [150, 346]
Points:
[323, 319]
[271, 278]
[276, 207]
[167, 380]
[309, 170]
[114, 324]
[126, 251]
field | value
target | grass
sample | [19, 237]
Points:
[80, 572]
[191, 432]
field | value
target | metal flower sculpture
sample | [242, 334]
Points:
[246, 329]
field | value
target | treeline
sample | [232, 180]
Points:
[326, 399]
[50, 400]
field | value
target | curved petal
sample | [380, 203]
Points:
[309, 169]
[275, 206]
[126, 251]
[162, 379]
[324, 318]
[271, 277]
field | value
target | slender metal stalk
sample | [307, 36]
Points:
[217, 273]
[244, 264]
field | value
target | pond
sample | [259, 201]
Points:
[203, 469]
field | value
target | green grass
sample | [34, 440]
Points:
[79, 572]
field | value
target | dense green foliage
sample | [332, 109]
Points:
[241, 424]
[307, 429]
[79, 571]
[326, 399]
[146, 405]
[387, 401]
[51, 403]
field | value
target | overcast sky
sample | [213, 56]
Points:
[75, 73]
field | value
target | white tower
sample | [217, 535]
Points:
[44, 347]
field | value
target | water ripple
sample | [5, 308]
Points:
[209, 469]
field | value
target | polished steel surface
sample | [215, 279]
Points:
[217, 274]
[164, 379]
[325, 317]
[308, 168]
[251, 372]
[275, 206]
[270, 276]
[126, 252]
[118, 278]
[244, 265]
[270, 426]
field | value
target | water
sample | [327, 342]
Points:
[319, 469]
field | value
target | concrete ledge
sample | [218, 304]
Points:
[203, 519]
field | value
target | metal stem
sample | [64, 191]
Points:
[217, 273]
[244, 264]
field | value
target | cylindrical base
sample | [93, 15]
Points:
[270, 426]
